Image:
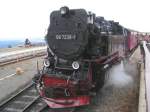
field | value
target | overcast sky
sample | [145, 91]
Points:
[21, 19]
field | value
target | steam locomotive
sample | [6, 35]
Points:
[81, 47]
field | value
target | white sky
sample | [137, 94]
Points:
[30, 18]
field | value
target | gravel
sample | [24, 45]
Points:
[120, 92]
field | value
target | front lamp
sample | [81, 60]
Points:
[46, 63]
[75, 65]
[64, 10]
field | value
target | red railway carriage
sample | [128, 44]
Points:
[132, 40]
[117, 44]
[146, 37]
[81, 47]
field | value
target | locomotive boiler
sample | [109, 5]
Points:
[80, 48]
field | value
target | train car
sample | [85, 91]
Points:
[146, 37]
[132, 40]
[81, 47]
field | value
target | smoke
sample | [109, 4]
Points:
[118, 76]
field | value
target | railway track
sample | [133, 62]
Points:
[27, 100]
[47, 109]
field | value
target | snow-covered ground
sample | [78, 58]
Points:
[21, 53]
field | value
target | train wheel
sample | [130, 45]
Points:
[100, 80]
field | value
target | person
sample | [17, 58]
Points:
[27, 42]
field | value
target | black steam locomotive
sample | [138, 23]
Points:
[81, 47]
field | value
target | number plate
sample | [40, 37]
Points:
[66, 37]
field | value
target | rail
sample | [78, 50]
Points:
[72, 109]
[24, 101]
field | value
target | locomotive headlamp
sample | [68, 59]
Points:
[46, 63]
[75, 65]
[64, 10]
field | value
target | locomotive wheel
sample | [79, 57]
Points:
[98, 77]
[100, 80]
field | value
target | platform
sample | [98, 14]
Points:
[147, 75]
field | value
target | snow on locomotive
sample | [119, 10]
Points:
[81, 47]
